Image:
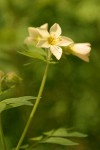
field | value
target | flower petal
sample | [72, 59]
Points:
[33, 32]
[83, 57]
[29, 40]
[55, 30]
[44, 26]
[65, 41]
[81, 48]
[43, 33]
[43, 43]
[56, 51]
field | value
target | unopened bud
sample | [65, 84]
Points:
[81, 50]
[10, 80]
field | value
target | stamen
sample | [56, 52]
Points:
[53, 40]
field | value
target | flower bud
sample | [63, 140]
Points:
[81, 50]
[10, 80]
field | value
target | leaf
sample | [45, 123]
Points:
[59, 137]
[15, 102]
[49, 133]
[32, 55]
[39, 50]
[34, 52]
[62, 132]
[60, 141]
[76, 134]
[24, 147]
[37, 138]
[2, 107]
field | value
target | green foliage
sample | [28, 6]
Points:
[15, 102]
[63, 132]
[59, 137]
[58, 140]
[33, 52]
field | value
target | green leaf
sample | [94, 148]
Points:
[60, 141]
[76, 134]
[34, 52]
[62, 132]
[2, 107]
[37, 138]
[24, 146]
[39, 50]
[58, 137]
[49, 133]
[15, 102]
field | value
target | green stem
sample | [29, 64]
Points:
[1, 129]
[2, 135]
[35, 105]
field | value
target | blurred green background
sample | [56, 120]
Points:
[72, 91]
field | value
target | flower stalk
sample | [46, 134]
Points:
[36, 103]
[2, 140]
[2, 136]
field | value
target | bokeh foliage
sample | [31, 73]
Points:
[72, 93]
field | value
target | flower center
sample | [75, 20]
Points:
[52, 40]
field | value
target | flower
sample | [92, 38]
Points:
[34, 35]
[53, 40]
[81, 50]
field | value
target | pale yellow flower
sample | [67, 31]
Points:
[34, 35]
[53, 40]
[81, 50]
